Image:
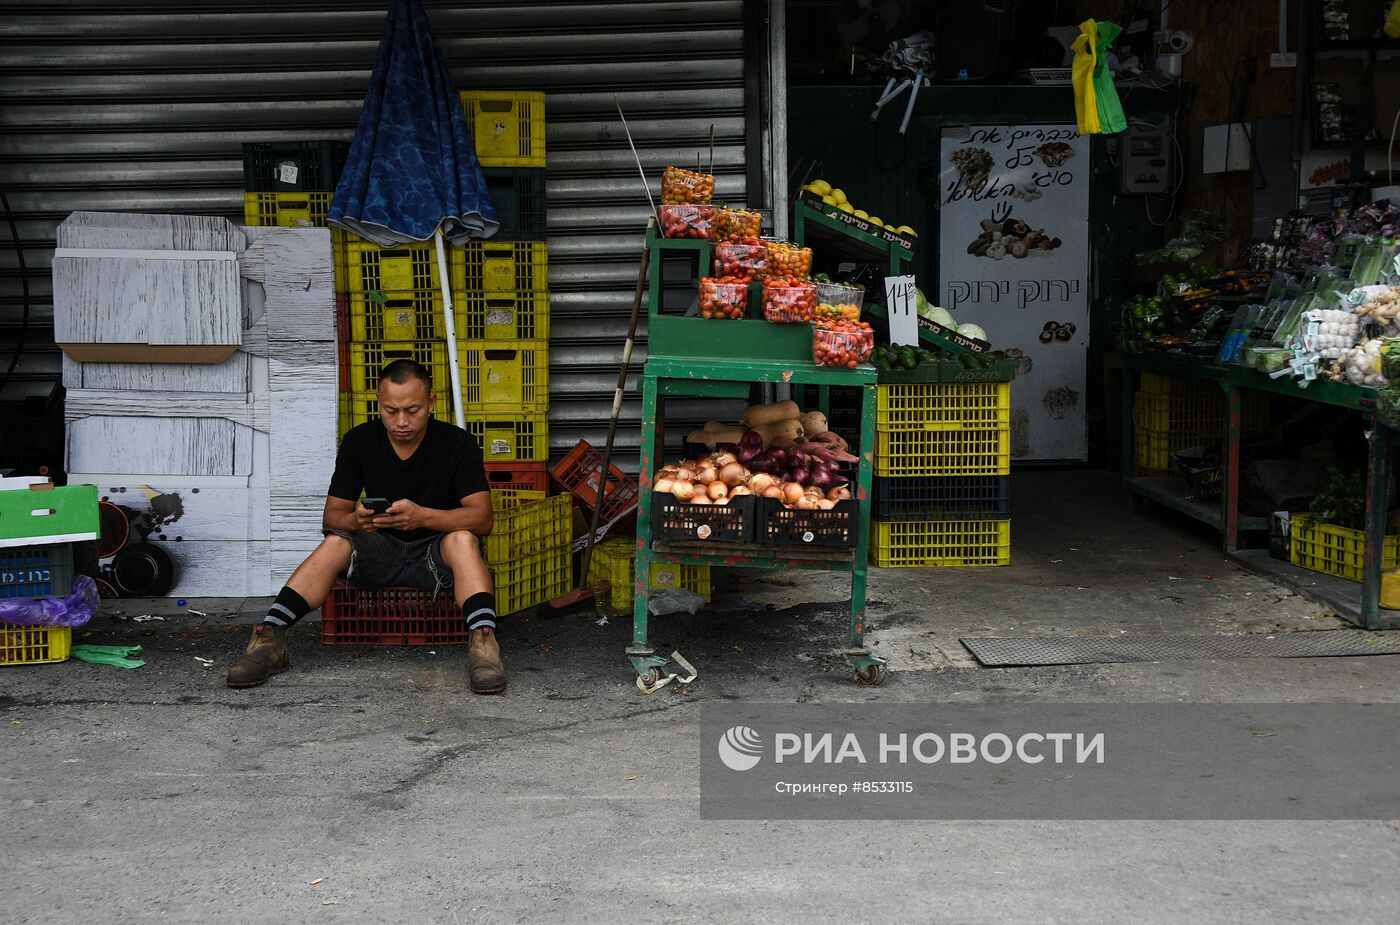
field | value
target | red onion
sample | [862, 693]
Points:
[797, 457]
[747, 453]
[752, 438]
[779, 457]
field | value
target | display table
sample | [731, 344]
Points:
[687, 376]
[1358, 604]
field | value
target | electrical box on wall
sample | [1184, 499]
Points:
[1225, 148]
[1145, 162]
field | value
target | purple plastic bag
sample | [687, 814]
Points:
[74, 610]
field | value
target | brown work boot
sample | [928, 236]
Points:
[265, 656]
[484, 663]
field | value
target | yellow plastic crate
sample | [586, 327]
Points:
[34, 645]
[943, 406]
[1334, 550]
[292, 210]
[504, 377]
[503, 498]
[528, 527]
[926, 543]
[404, 268]
[366, 361]
[502, 316]
[1198, 411]
[505, 266]
[528, 581]
[901, 453]
[396, 316]
[358, 406]
[616, 561]
[511, 437]
[507, 126]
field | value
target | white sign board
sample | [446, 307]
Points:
[1014, 259]
[902, 305]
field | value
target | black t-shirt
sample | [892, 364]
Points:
[444, 469]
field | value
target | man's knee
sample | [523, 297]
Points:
[460, 545]
[335, 546]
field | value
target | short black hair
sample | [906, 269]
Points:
[400, 371]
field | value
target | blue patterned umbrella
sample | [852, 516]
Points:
[412, 169]
[412, 173]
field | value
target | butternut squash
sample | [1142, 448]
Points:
[758, 415]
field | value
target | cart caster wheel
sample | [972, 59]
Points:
[651, 677]
[872, 676]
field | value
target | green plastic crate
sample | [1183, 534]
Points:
[50, 515]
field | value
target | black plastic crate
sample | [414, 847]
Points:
[678, 522]
[36, 571]
[963, 497]
[518, 195]
[1202, 474]
[311, 166]
[787, 527]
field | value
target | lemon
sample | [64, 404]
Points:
[875, 221]
[838, 195]
[861, 213]
[889, 227]
[820, 187]
[905, 229]
[845, 207]
[828, 200]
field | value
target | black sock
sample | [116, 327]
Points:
[479, 610]
[287, 609]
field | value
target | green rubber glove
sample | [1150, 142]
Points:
[120, 656]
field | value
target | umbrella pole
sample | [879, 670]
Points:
[454, 372]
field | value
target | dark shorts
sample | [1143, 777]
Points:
[382, 560]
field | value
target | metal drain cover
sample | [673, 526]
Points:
[1002, 651]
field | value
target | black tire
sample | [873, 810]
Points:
[143, 570]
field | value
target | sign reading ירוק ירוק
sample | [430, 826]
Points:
[1014, 260]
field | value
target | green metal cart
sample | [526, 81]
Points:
[750, 352]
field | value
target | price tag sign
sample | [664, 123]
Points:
[903, 306]
[287, 172]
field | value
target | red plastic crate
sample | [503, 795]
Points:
[342, 362]
[529, 476]
[342, 317]
[390, 617]
[579, 472]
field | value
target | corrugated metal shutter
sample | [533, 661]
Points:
[145, 110]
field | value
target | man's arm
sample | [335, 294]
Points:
[474, 516]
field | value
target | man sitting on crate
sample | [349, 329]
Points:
[431, 473]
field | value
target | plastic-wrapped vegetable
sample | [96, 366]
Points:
[688, 220]
[788, 300]
[1337, 331]
[73, 610]
[679, 185]
[843, 344]
[723, 297]
[749, 261]
[788, 259]
[1381, 304]
[1362, 364]
[1388, 407]
[738, 225]
[1390, 358]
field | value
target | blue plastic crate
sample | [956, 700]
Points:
[36, 571]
